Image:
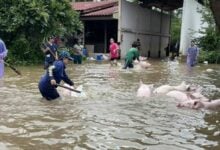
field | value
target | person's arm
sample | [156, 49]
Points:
[56, 56]
[188, 51]
[56, 49]
[137, 55]
[51, 69]
[44, 48]
[66, 79]
[116, 47]
[5, 51]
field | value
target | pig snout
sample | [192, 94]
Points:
[193, 104]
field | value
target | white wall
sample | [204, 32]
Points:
[191, 23]
[138, 22]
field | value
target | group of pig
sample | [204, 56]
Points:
[188, 96]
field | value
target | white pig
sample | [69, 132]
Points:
[144, 90]
[197, 104]
[182, 87]
[163, 89]
[178, 95]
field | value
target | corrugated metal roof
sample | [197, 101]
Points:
[103, 12]
[80, 6]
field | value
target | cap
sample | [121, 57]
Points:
[65, 54]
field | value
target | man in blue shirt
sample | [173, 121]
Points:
[55, 73]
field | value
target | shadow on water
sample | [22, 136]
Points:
[110, 116]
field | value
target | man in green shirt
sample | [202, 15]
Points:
[131, 55]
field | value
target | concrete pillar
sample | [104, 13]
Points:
[191, 23]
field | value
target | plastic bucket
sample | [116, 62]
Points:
[98, 57]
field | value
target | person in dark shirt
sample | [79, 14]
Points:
[54, 75]
[50, 51]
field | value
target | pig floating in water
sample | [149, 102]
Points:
[144, 64]
[182, 87]
[178, 95]
[141, 58]
[209, 70]
[144, 90]
[141, 64]
[196, 104]
[163, 89]
[198, 95]
[167, 88]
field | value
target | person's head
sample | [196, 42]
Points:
[134, 44]
[65, 57]
[138, 40]
[192, 43]
[112, 40]
[51, 39]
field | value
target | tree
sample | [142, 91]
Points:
[210, 41]
[176, 25]
[31, 21]
[215, 7]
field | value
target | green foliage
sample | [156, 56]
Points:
[210, 41]
[176, 26]
[210, 56]
[24, 24]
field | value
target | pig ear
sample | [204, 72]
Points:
[188, 88]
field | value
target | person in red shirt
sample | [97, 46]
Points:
[114, 51]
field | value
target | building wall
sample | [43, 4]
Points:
[191, 23]
[151, 27]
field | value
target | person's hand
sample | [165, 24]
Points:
[72, 87]
[53, 82]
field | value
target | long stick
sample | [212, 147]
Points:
[69, 88]
[50, 51]
[13, 68]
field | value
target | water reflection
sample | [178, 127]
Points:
[110, 117]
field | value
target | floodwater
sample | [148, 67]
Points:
[110, 116]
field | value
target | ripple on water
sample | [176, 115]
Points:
[111, 116]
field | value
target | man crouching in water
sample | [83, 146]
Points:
[54, 75]
[131, 55]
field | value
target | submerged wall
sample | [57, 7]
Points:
[151, 27]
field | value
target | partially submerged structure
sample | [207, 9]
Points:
[147, 20]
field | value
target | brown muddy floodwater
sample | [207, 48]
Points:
[110, 116]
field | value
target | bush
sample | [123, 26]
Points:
[21, 52]
[210, 56]
[25, 24]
